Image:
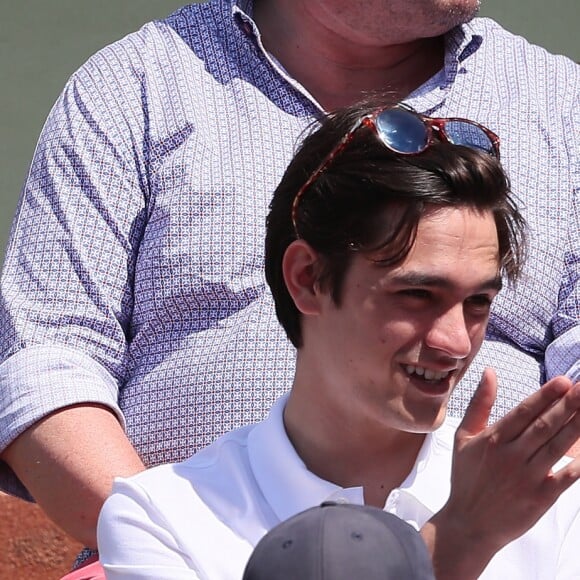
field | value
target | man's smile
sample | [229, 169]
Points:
[427, 374]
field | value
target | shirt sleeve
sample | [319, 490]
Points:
[66, 290]
[563, 353]
[135, 540]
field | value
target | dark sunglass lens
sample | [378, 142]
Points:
[402, 131]
[463, 133]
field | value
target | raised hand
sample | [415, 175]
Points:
[502, 480]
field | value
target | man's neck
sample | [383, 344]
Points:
[349, 452]
[337, 71]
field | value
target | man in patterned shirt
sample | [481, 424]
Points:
[135, 322]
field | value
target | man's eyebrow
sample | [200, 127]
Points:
[424, 279]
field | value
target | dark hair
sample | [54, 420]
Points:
[343, 211]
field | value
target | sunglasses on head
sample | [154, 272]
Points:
[404, 131]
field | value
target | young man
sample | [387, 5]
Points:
[385, 248]
[136, 327]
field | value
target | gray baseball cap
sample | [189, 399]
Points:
[341, 542]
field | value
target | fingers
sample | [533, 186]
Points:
[479, 408]
[539, 430]
[532, 411]
[502, 478]
[574, 450]
[556, 483]
[555, 431]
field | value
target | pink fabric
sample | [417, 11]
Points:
[92, 570]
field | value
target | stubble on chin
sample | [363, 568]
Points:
[446, 16]
[461, 14]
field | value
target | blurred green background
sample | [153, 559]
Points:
[42, 42]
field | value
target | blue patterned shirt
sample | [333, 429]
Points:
[134, 274]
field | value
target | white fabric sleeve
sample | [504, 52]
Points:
[135, 540]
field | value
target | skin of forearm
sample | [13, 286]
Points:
[68, 461]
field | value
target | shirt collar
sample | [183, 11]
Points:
[287, 485]
[242, 13]
[290, 488]
[460, 44]
[462, 41]
[428, 483]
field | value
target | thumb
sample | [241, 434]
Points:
[479, 408]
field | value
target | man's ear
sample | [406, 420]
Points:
[300, 267]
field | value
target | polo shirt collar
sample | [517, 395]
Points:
[426, 489]
[289, 488]
[282, 476]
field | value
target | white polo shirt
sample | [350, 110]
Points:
[201, 518]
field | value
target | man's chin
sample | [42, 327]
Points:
[458, 15]
[425, 426]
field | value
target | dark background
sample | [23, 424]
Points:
[43, 41]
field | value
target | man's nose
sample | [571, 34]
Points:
[449, 333]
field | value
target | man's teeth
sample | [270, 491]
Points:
[427, 374]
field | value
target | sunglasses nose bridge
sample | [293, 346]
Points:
[436, 129]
